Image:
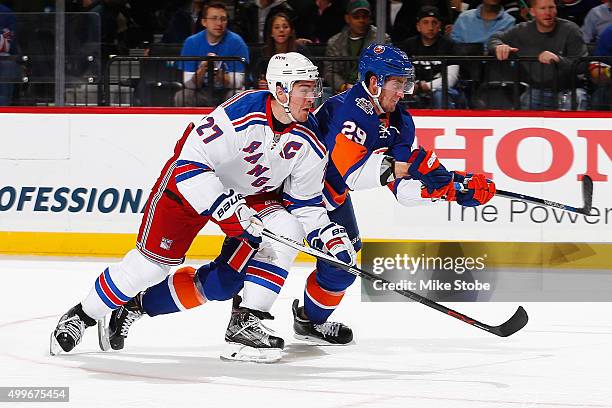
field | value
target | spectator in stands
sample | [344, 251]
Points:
[600, 72]
[457, 7]
[252, 19]
[302, 9]
[112, 21]
[596, 21]
[124, 24]
[517, 9]
[575, 10]
[403, 26]
[217, 40]
[429, 73]
[8, 69]
[357, 35]
[279, 39]
[185, 22]
[327, 20]
[479, 24]
[557, 43]
[394, 8]
[604, 44]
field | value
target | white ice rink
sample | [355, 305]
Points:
[406, 355]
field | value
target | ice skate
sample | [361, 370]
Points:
[69, 330]
[328, 333]
[113, 334]
[250, 340]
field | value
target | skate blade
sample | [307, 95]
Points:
[54, 347]
[103, 335]
[315, 341]
[239, 352]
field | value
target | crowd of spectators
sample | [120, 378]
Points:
[557, 34]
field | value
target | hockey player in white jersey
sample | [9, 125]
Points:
[226, 169]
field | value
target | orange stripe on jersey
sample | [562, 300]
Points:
[338, 198]
[185, 288]
[346, 153]
[321, 296]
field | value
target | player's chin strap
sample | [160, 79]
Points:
[288, 111]
[286, 106]
[374, 97]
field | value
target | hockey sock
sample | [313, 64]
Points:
[224, 277]
[319, 303]
[121, 282]
[176, 293]
[218, 281]
[188, 288]
[262, 285]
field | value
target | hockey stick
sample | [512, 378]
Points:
[509, 327]
[587, 196]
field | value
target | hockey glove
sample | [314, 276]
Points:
[476, 190]
[333, 239]
[469, 190]
[425, 167]
[236, 219]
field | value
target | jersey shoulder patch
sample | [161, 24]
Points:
[241, 105]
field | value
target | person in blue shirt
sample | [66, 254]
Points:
[596, 21]
[217, 40]
[604, 45]
[479, 24]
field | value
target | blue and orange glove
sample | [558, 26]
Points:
[469, 190]
[425, 167]
[476, 189]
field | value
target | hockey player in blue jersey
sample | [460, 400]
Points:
[371, 143]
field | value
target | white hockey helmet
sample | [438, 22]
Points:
[286, 70]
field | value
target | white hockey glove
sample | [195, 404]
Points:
[266, 250]
[334, 240]
[236, 219]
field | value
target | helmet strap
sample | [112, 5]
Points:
[287, 110]
[286, 104]
[374, 97]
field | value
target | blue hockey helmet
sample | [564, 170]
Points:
[384, 61]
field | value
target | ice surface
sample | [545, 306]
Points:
[406, 355]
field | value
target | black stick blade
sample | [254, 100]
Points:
[518, 320]
[587, 193]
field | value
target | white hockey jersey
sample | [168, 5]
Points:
[234, 147]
